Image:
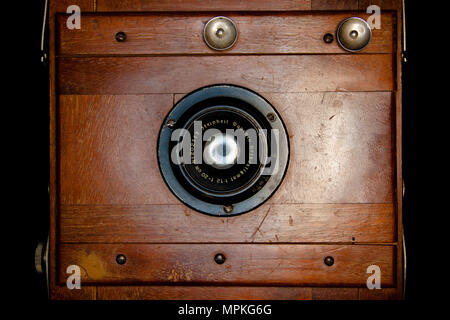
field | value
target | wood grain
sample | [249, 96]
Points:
[202, 5]
[289, 73]
[61, 292]
[334, 4]
[109, 144]
[282, 264]
[334, 293]
[340, 145]
[202, 293]
[272, 223]
[60, 6]
[380, 294]
[53, 155]
[183, 34]
[170, 292]
[383, 4]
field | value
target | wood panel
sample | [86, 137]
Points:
[380, 294]
[334, 4]
[63, 293]
[183, 34]
[334, 294]
[178, 292]
[62, 5]
[340, 145]
[202, 5]
[269, 224]
[383, 4]
[202, 293]
[109, 144]
[290, 73]
[282, 264]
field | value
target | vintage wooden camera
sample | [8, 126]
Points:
[325, 225]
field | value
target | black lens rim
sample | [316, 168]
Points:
[183, 106]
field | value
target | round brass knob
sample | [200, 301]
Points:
[220, 33]
[354, 34]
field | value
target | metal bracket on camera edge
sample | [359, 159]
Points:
[404, 56]
[44, 54]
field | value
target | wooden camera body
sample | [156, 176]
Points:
[337, 210]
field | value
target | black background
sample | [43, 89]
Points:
[26, 94]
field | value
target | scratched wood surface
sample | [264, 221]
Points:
[108, 143]
[263, 264]
[183, 34]
[340, 148]
[272, 223]
[274, 73]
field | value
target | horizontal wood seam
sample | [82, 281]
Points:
[242, 243]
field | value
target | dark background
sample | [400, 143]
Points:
[30, 124]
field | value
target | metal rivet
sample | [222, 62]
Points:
[219, 258]
[328, 38]
[171, 123]
[271, 116]
[121, 36]
[121, 259]
[329, 261]
[228, 208]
